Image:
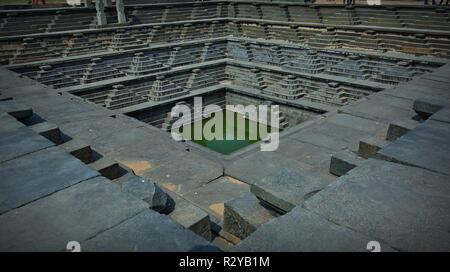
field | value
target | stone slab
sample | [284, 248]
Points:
[312, 156]
[19, 142]
[409, 91]
[39, 174]
[426, 146]
[358, 123]
[183, 172]
[60, 110]
[268, 162]
[148, 231]
[77, 213]
[381, 108]
[333, 135]
[212, 196]
[303, 230]
[406, 207]
[287, 188]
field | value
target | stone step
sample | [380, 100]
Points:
[49, 131]
[189, 216]
[108, 168]
[399, 128]
[426, 106]
[79, 150]
[145, 190]
[244, 214]
[9, 123]
[344, 161]
[4, 97]
[369, 147]
[17, 110]
[287, 188]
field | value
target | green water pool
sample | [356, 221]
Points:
[250, 132]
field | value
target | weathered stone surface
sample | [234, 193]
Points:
[77, 213]
[212, 196]
[399, 128]
[190, 216]
[303, 230]
[406, 207]
[344, 161]
[39, 174]
[287, 188]
[148, 231]
[16, 143]
[425, 146]
[145, 190]
[244, 214]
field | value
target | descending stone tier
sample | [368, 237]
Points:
[125, 65]
[291, 87]
[63, 19]
[350, 65]
[152, 88]
[40, 47]
[263, 83]
[342, 37]
[370, 69]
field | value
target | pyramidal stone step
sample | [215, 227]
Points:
[142, 65]
[163, 89]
